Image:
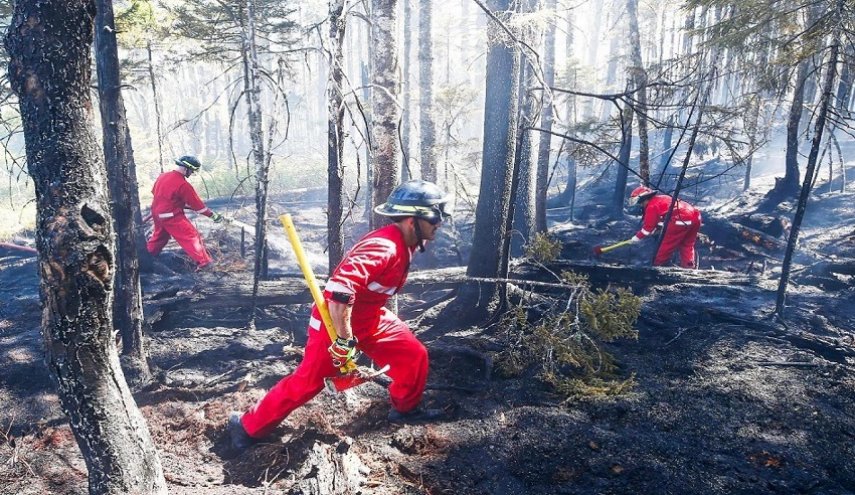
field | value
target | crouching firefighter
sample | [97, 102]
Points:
[172, 193]
[682, 231]
[356, 294]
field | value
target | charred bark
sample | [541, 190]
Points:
[384, 98]
[524, 198]
[788, 186]
[638, 76]
[493, 208]
[49, 46]
[335, 136]
[406, 92]
[124, 195]
[619, 195]
[546, 119]
[427, 125]
[824, 104]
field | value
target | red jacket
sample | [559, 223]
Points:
[684, 214]
[373, 271]
[172, 193]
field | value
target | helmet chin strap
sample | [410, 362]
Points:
[419, 238]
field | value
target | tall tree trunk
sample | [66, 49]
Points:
[623, 166]
[824, 104]
[384, 97]
[524, 197]
[124, 195]
[752, 120]
[156, 99]
[751, 124]
[847, 78]
[49, 45]
[546, 123]
[787, 187]
[427, 125]
[638, 76]
[499, 142]
[252, 86]
[335, 135]
[406, 92]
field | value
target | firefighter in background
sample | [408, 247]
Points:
[682, 231]
[372, 271]
[172, 193]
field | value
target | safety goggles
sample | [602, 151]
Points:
[438, 214]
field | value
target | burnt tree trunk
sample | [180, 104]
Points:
[546, 119]
[384, 108]
[824, 104]
[638, 76]
[427, 126]
[524, 194]
[788, 186]
[493, 208]
[252, 87]
[49, 45]
[124, 196]
[156, 99]
[335, 136]
[623, 162]
[406, 92]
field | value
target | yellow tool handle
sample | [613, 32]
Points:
[615, 246]
[309, 275]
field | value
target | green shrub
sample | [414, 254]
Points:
[563, 347]
[543, 248]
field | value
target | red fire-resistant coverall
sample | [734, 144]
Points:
[682, 231]
[373, 270]
[171, 193]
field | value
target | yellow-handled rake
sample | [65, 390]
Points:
[351, 374]
[598, 250]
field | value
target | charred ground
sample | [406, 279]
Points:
[726, 399]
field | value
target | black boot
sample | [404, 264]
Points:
[239, 437]
[417, 415]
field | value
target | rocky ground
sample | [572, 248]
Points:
[726, 399]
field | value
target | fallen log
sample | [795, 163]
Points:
[541, 278]
[18, 247]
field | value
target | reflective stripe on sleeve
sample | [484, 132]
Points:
[382, 289]
[314, 323]
[165, 215]
[645, 233]
[334, 286]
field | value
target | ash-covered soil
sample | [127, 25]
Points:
[727, 400]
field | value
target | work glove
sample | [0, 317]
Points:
[633, 239]
[216, 217]
[343, 351]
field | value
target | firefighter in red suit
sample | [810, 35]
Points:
[356, 294]
[682, 230]
[172, 193]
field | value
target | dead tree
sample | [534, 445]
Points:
[335, 136]
[824, 103]
[124, 195]
[49, 45]
[546, 119]
[493, 208]
[638, 76]
[384, 98]
[427, 126]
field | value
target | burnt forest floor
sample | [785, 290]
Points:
[726, 400]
